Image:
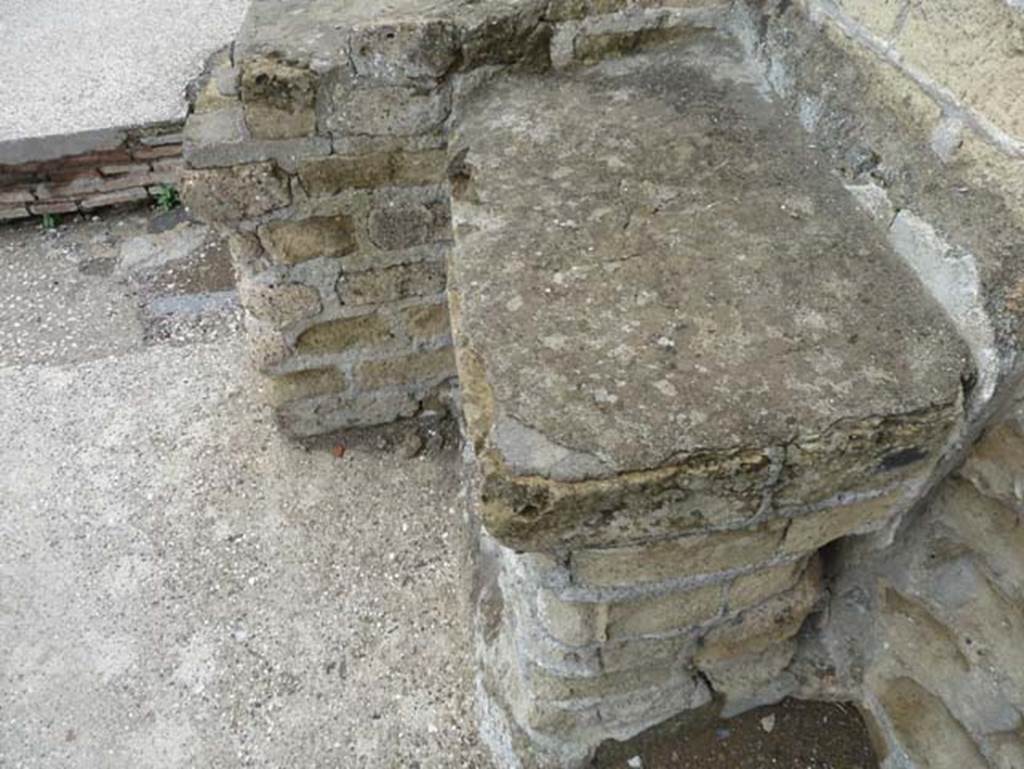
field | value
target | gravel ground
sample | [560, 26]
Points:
[76, 65]
[180, 586]
[57, 304]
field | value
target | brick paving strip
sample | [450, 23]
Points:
[87, 171]
[103, 127]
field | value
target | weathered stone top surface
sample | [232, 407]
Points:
[651, 262]
[330, 33]
[319, 29]
[307, 14]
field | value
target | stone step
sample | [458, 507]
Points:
[670, 316]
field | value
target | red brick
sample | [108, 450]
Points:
[65, 175]
[93, 159]
[56, 207]
[12, 179]
[125, 168]
[19, 168]
[99, 185]
[81, 185]
[154, 153]
[134, 195]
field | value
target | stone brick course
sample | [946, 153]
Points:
[693, 557]
[341, 286]
[396, 168]
[575, 649]
[298, 240]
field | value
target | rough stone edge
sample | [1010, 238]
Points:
[44, 149]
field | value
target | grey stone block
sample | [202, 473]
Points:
[42, 148]
[388, 110]
[220, 139]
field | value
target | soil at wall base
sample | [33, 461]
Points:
[790, 735]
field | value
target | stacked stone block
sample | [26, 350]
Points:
[590, 643]
[339, 224]
[613, 659]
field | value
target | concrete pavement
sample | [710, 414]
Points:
[182, 587]
[79, 65]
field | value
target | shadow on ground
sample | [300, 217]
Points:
[790, 735]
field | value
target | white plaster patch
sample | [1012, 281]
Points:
[951, 277]
[529, 452]
[810, 112]
[948, 137]
[563, 44]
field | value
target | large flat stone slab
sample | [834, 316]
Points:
[400, 40]
[320, 31]
[669, 313]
